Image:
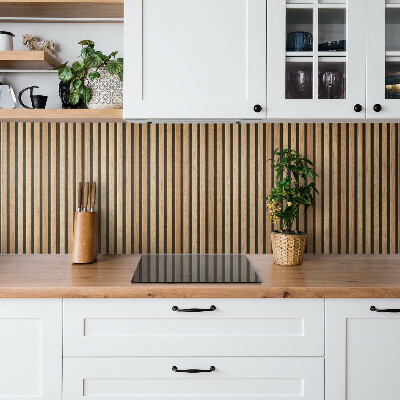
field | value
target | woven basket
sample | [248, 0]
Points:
[288, 249]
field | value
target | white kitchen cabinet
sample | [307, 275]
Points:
[195, 59]
[233, 378]
[362, 349]
[383, 59]
[30, 349]
[236, 327]
[304, 78]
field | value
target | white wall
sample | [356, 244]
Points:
[107, 36]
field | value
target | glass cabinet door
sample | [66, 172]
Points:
[316, 59]
[383, 59]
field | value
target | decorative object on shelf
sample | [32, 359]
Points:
[336, 45]
[299, 84]
[38, 101]
[6, 41]
[331, 85]
[64, 90]
[299, 41]
[96, 80]
[34, 44]
[295, 187]
[7, 97]
[84, 244]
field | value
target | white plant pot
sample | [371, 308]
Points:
[107, 91]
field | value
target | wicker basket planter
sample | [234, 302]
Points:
[288, 249]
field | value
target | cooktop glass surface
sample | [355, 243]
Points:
[195, 268]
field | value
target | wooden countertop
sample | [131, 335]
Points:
[322, 276]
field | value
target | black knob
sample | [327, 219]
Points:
[358, 108]
[257, 108]
[377, 107]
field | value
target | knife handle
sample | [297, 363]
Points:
[85, 195]
[79, 196]
[93, 196]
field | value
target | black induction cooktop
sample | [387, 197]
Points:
[195, 268]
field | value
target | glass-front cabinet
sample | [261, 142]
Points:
[316, 58]
[383, 59]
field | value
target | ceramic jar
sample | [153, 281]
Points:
[6, 41]
[107, 91]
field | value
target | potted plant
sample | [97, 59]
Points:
[95, 80]
[294, 188]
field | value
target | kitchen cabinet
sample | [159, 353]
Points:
[30, 349]
[195, 59]
[232, 378]
[244, 348]
[151, 327]
[383, 59]
[305, 78]
[362, 349]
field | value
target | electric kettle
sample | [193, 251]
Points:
[38, 101]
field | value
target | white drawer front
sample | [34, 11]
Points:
[233, 379]
[237, 327]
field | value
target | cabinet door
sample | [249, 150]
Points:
[30, 349]
[152, 378]
[236, 327]
[195, 59]
[362, 350]
[383, 59]
[316, 59]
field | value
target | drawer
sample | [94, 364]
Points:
[152, 378]
[150, 327]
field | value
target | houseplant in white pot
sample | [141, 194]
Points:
[95, 80]
[294, 188]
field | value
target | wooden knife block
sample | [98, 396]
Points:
[84, 244]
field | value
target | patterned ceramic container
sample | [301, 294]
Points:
[106, 91]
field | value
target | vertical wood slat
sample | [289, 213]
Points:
[217, 177]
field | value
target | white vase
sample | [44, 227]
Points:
[107, 91]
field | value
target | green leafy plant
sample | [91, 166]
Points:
[295, 186]
[90, 59]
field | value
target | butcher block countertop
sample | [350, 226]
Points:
[320, 276]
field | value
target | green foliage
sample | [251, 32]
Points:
[294, 187]
[80, 70]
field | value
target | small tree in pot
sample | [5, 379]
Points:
[295, 187]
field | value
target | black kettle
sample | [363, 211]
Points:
[37, 100]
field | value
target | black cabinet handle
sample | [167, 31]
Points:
[390, 310]
[193, 371]
[358, 108]
[377, 108]
[175, 308]
[257, 108]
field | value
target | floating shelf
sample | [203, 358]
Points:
[60, 115]
[27, 60]
[62, 9]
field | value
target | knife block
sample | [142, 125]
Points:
[84, 245]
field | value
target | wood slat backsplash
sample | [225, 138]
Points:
[195, 188]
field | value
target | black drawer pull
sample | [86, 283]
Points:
[393, 310]
[193, 371]
[175, 308]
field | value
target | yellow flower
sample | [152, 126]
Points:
[289, 203]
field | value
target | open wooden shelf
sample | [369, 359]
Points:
[60, 115]
[27, 60]
[62, 9]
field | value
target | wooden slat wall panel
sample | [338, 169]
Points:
[188, 188]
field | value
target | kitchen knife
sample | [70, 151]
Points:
[79, 196]
[92, 196]
[85, 196]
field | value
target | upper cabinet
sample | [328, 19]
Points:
[383, 59]
[316, 59]
[195, 59]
